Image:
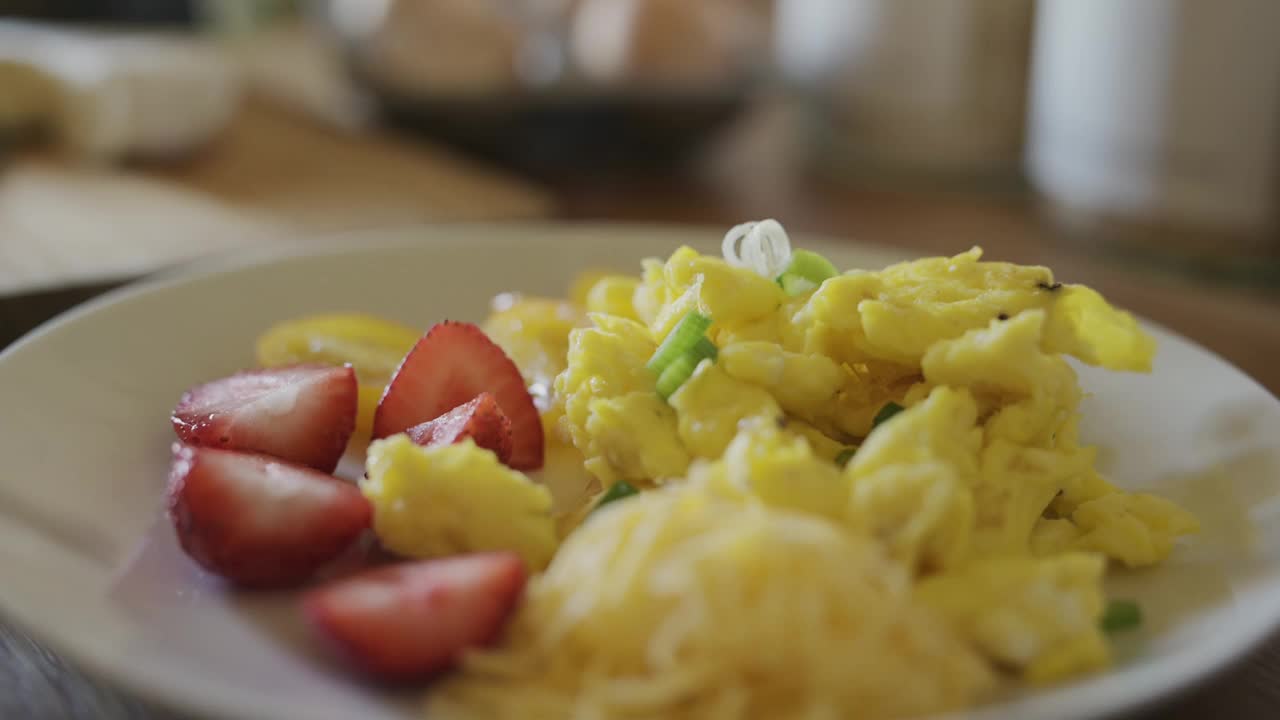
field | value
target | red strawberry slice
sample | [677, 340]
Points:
[259, 521]
[450, 365]
[304, 413]
[481, 420]
[411, 620]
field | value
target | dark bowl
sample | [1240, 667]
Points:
[545, 132]
[566, 122]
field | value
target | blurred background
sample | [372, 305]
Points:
[1132, 145]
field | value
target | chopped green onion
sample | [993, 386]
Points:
[679, 341]
[845, 456]
[676, 373]
[1121, 615]
[617, 491]
[793, 284]
[705, 349]
[889, 410]
[810, 266]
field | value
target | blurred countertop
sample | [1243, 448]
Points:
[275, 175]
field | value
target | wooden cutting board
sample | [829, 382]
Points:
[272, 176]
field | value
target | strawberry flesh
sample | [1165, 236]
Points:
[481, 420]
[452, 364]
[412, 620]
[304, 413]
[258, 521]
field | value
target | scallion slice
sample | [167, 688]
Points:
[795, 284]
[1121, 615]
[889, 410]
[617, 491]
[704, 349]
[679, 341]
[812, 266]
[762, 247]
[677, 372]
[845, 456]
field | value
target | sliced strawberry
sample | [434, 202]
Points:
[408, 621]
[450, 365]
[481, 420]
[259, 521]
[303, 413]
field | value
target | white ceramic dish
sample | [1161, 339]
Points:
[86, 567]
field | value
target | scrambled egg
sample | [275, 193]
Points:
[373, 346]
[445, 500]
[710, 405]
[610, 406]
[980, 489]
[1037, 615]
[1135, 528]
[912, 481]
[767, 465]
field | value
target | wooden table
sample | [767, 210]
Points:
[751, 174]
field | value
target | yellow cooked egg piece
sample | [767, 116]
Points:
[1136, 529]
[771, 465]
[943, 428]
[1038, 616]
[922, 512]
[731, 296]
[451, 499]
[709, 406]
[803, 385]
[682, 605]
[1083, 324]
[637, 435]
[614, 295]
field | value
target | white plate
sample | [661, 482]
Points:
[85, 437]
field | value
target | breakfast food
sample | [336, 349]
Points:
[808, 493]
[681, 604]
[451, 365]
[301, 413]
[480, 421]
[452, 499]
[412, 620]
[258, 521]
[373, 346]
